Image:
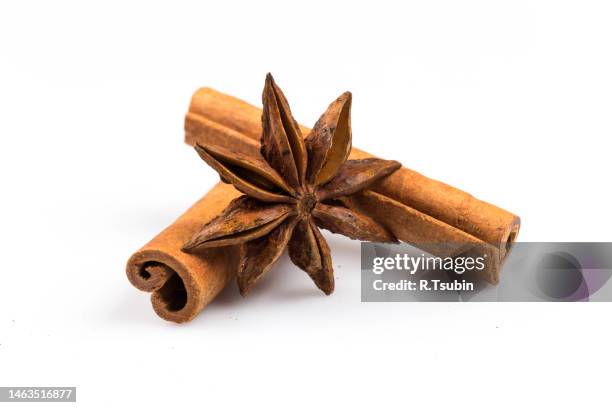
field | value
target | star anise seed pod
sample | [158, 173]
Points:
[292, 186]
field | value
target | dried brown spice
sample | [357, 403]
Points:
[292, 187]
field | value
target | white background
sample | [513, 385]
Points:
[509, 101]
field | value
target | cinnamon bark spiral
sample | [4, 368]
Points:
[183, 284]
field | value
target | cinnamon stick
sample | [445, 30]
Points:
[424, 212]
[183, 284]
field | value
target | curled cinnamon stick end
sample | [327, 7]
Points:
[182, 284]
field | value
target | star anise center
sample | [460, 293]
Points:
[306, 204]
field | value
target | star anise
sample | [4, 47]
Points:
[292, 186]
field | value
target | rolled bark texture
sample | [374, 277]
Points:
[183, 284]
[421, 211]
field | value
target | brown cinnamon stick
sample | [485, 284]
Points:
[417, 209]
[182, 284]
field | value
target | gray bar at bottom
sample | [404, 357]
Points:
[37, 394]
